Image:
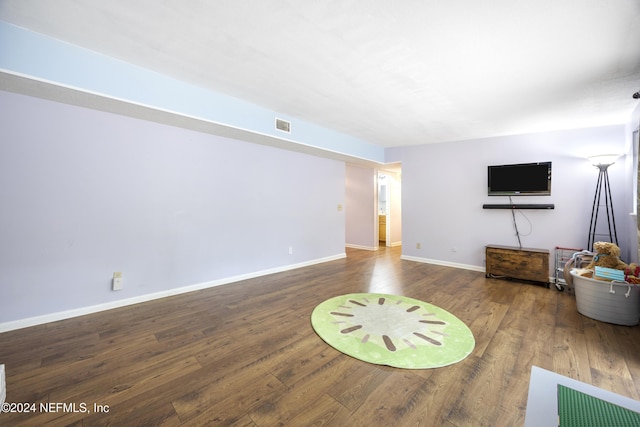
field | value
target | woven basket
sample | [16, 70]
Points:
[611, 302]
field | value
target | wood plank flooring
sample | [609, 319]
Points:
[245, 354]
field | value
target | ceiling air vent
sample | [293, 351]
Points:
[283, 125]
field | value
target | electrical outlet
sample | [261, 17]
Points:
[116, 283]
[418, 246]
[290, 250]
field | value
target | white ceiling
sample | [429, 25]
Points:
[393, 73]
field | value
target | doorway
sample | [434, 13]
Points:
[389, 208]
[383, 209]
[365, 204]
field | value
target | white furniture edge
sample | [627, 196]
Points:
[542, 402]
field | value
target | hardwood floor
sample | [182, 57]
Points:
[245, 354]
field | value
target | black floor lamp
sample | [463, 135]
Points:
[602, 163]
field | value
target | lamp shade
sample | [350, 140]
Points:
[604, 159]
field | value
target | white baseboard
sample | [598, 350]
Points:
[53, 317]
[452, 264]
[443, 263]
[366, 248]
[372, 248]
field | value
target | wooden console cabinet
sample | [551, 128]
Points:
[518, 263]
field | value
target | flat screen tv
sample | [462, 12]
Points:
[523, 179]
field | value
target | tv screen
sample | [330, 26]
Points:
[523, 179]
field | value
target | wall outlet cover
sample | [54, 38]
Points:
[116, 283]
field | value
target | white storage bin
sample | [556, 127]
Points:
[611, 302]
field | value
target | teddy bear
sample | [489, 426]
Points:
[607, 255]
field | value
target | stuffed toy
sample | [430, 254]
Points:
[607, 255]
[632, 274]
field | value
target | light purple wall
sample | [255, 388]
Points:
[444, 188]
[86, 193]
[44, 58]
